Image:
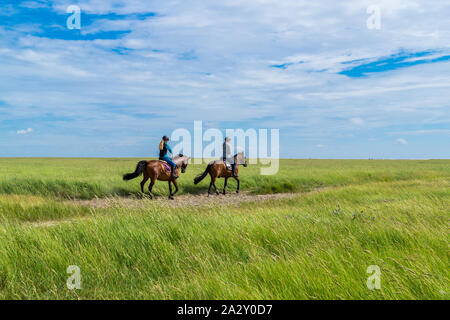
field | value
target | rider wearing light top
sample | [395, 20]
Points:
[163, 148]
[228, 155]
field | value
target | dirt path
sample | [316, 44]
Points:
[182, 200]
[187, 200]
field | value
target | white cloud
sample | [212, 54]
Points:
[423, 132]
[401, 141]
[357, 121]
[33, 4]
[25, 131]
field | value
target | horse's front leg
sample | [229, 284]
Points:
[175, 183]
[170, 190]
[238, 183]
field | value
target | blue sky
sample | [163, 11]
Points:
[140, 69]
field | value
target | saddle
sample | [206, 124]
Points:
[166, 166]
[227, 165]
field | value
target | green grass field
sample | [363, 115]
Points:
[345, 216]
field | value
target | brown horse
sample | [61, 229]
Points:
[154, 170]
[218, 169]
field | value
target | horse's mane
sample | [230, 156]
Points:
[178, 156]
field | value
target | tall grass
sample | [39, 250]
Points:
[317, 245]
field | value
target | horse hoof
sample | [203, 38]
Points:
[171, 198]
[223, 192]
[237, 191]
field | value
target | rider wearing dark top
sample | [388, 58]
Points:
[163, 148]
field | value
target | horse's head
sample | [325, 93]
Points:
[240, 159]
[182, 161]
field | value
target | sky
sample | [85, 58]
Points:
[140, 69]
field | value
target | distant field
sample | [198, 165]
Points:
[89, 178]
[317, 244]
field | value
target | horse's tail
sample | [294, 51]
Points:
[202, 176]
[139, 169]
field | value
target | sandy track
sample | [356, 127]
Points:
[187, 200]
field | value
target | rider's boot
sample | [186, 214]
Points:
[233, 167]
[173, 176]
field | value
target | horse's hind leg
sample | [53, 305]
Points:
[214, 185]
[144, 180]
[210, 186]
[225, 185]
[150, 187]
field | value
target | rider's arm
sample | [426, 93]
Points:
[168, 148]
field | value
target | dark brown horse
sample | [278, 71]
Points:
[218, 169]
[154, 170]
